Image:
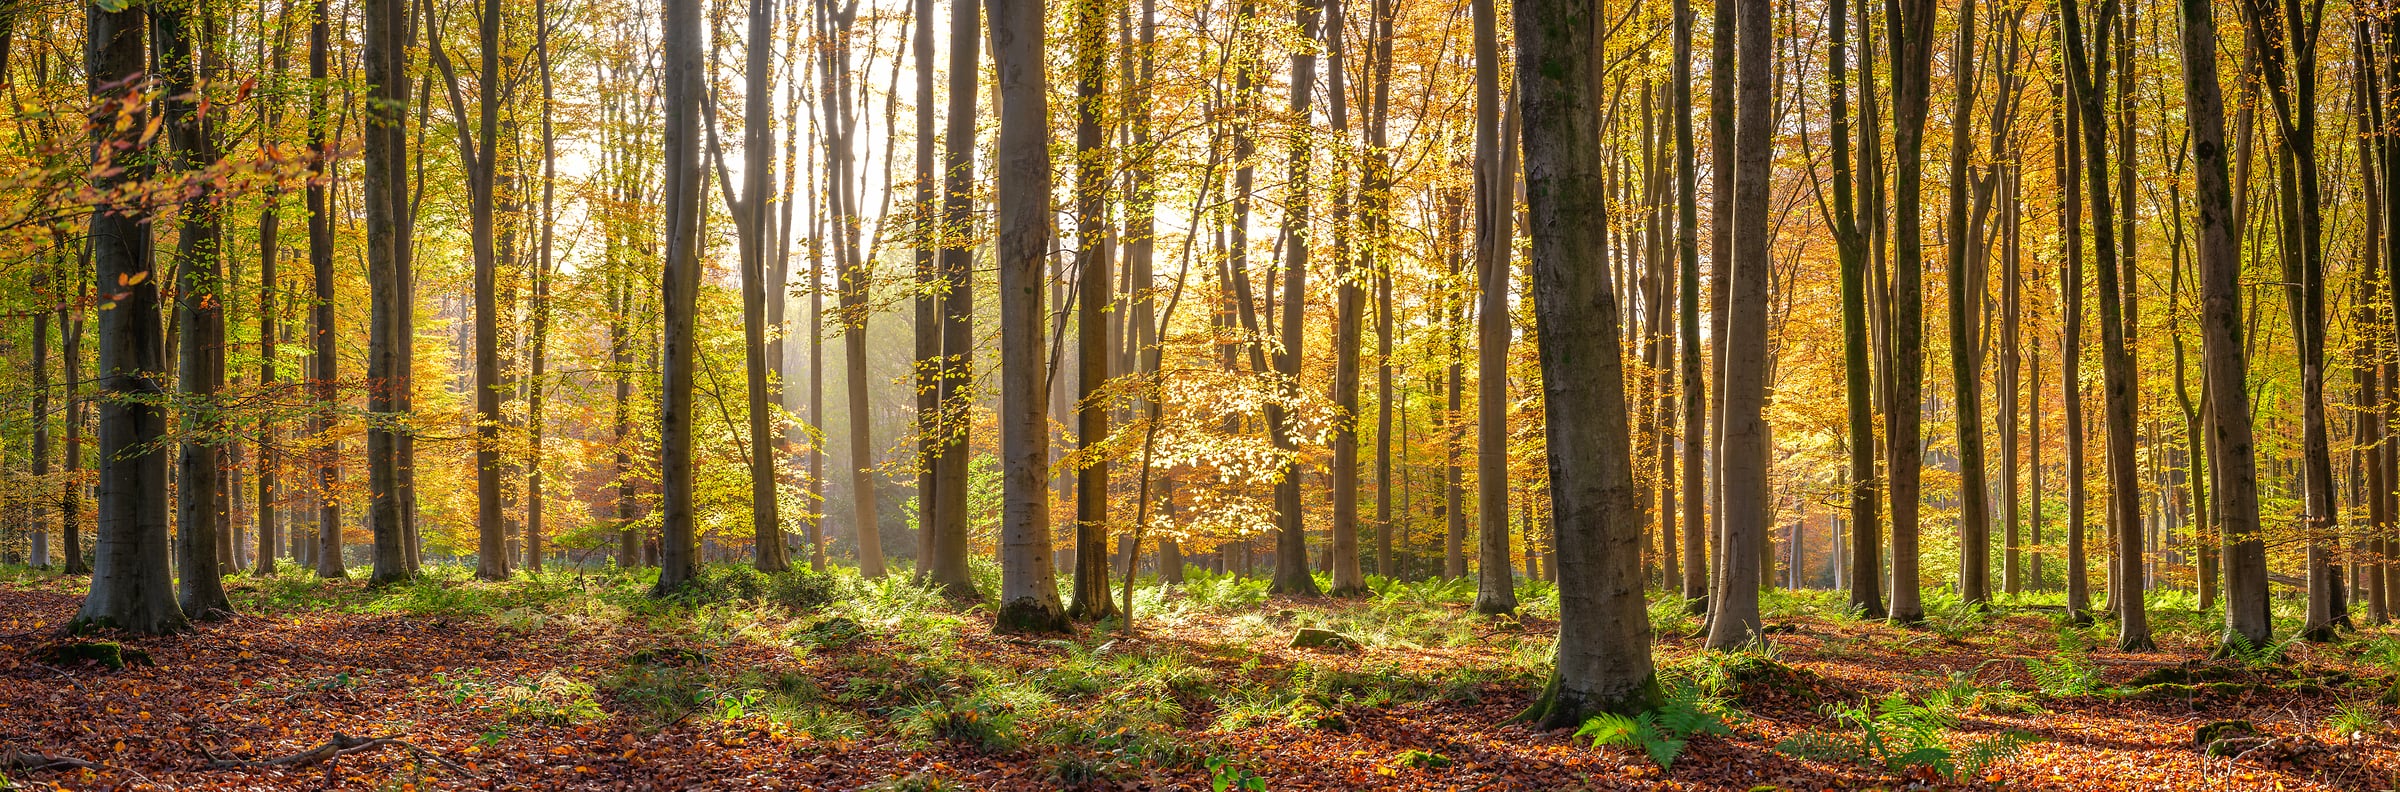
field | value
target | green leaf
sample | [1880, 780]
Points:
[113, 6]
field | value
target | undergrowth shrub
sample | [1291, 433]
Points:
[1900, 736]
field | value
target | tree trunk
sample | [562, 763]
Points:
[1733, 614]
[1912, 55]
[1694, 584]
[680, 190]
[949, 565]
[1966, 296]
[1349, 309]
[200, 372]
[2133, 630]
[131, 588]
[386, 186]
[1093, 282]
[323, 448]
[1603, 660]
[1495, 203]
[1028, 582]
[1866, 590]
[2226, 372]
[927, 377]
[1291, 538]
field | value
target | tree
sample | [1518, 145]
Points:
[2232, 463]
[386, 186]
[854, 279]
[478, 154]
[1966, 297]
[1495, 203]
[320, 264]
[1291, 537]
[1687, 255]
[1092, 267]
[1733, 613]
[751, 222]
[681, 189]
[185, 35]
[1021, 169]
[131, 589]
[1604, 629]
[948, 555]
[1912, 57]
[1349, 319]
[1866, 555]
[2133, 631]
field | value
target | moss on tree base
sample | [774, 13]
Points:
[1025, 615]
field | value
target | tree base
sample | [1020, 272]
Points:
[1029, 616]
[1495, 606]
[1557, 708]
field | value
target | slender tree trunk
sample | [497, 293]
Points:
[2133, 630]
[1091, 599]
[1028, 583]
[1687, 254]
[1349, 307]
[680, 189]
[1966, 296]
[927, 378]
[182, 35]
[949, 569]
[1733, 614]
[2079, 596]
[324, 449]
[1912, 55]
[1291, 538]
[2225, 371]
[1866, 591]
[1495, 203]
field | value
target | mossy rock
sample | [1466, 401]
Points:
[2183, 691]
[1325, 640]
[669, 657]
[2205, 737]
[836, 631]
[117, 657]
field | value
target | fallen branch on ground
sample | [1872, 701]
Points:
[340, 745]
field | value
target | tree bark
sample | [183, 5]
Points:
[131, 588]
[1028, 583]
[681, 193]
[1495, 203]
[1091, 599]
[1603, 660]
[1733, 614]
[2231, 454]
[949, 566]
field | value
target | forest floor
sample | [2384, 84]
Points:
[565, 681]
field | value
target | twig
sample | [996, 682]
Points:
[55, 670]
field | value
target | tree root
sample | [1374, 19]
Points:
[341, 745]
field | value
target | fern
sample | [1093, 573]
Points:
[1664, 731]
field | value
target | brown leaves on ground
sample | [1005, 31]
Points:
[359, 701]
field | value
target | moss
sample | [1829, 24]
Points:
[108, 653]
[1025, 615]
[2209, 734]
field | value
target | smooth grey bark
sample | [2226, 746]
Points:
[2232, 461]
[1966, 300]
[1734, 618]
[322, 379]
[681, 188]
[948, 568]
[926, 376]
[1021, 170]
[131, 588]
[1603, 660]
[1349, 309]
[1694, 585]
[1866, 554]
[1495, 204]
[385, 173]
[181, 36]
[2133, 630]
[478, 153]
[1912, 57]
